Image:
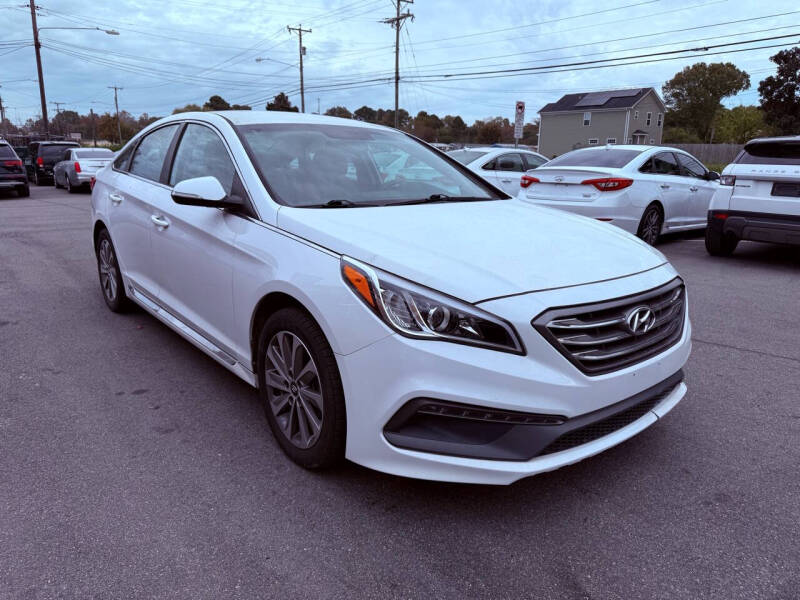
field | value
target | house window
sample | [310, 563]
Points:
[649, 118]
[611, 140]
[593, 141]
[660, 119]
[587, 119]
[636, 114]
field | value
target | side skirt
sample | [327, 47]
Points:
[193, 336]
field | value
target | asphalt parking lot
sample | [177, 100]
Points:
[131, 465]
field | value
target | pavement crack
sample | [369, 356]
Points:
[761, 352]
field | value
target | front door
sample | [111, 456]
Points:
[508, 170]
[700, 188]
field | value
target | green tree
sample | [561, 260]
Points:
[339, 111]
[188, 108]
[216, 103]
[780, 93]
[241, 107]
[740, 124]
[530, 134]
[281, 103]
[366, 114]
[694, 95]
[679, 135]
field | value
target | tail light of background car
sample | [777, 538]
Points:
[77, 167]
[12, 163]
[40, 161]
[727, 179]
[91, 183]
[609, 184]
[527, 180]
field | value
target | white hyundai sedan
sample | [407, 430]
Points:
[645, 190]
[502, 167]
[428, 328]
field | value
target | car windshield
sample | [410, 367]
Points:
[466, 156]
[591, 157]
[311, 165]
[95, 153]
[6, 152]
[53, 151]
[770, 153]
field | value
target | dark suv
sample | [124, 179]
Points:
[43, 157]
[12, 173]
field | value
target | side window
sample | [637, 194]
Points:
[67, 155]
[587, 119]
[148, 159]
[662, 164]
[201, 153]
[510, 162]
[692, 167]
[490, 166]
[593, 141]
[533, 161]
[660, 119]
[636, 114]
[649, 119]
[123, 158]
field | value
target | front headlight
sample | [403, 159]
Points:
[419, 312]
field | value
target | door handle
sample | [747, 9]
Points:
[506, 180]
[664, 186]
[693, 188]
[159, 221]
[115, 198]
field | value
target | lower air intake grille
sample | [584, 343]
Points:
[607, 336]
[598, 429]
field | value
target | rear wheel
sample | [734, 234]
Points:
[23, 191]
[300, 386]
[110, 276]
[70, 189]
[720, 244]
[651, 224]
[36, 179]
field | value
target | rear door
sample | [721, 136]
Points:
[135, 186]
[672, 187]
[700, 188]
[194, 247]
[768, 178]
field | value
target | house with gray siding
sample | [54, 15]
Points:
[633, 116]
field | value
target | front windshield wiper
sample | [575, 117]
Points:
[434, 198]
[339, 203]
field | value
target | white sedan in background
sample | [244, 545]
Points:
[502, 167]
[645, 190]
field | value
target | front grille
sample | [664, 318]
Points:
[598, 429]
[603, 337]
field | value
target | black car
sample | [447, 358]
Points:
[12, 173]
[43, 157]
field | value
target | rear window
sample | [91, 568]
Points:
[53, 151]
[604, 157]
[770, 153]
[466, 156]
[6, 152]
[94, 153]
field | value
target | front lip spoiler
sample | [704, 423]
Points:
[572, 285]
[515, 442]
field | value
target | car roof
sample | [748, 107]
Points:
[263, 117]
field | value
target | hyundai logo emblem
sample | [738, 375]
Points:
[640, 320]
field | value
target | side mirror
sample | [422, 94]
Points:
[712, 176]
[203, 191]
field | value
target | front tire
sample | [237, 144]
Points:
[301, 389]
[651, 225]
[55, 181]
[719, 244]
[108, 269]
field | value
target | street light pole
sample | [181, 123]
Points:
[37, 47]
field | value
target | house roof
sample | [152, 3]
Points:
[586, 101]
[639, 132]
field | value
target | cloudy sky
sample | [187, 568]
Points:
[456, 57]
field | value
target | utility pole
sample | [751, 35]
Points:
[300, 31]
[94, 130]
[2, 116]
[116, 106]
[58, 112]
[397, 23]
[37, 48]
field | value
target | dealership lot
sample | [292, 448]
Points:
[132, 465]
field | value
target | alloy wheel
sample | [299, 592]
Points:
[294, 390]
[651, 227]
[108, 270]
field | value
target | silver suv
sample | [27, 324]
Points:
[758, 198]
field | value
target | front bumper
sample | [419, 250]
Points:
[541, 382]
[756, 227]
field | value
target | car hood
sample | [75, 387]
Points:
[476, 250]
